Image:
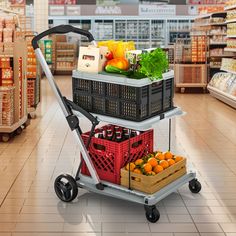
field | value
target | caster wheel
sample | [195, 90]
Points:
[182, 90]
[152, 214]
[27, 123]
[5, 138]
[19, 131]
[66, 188]
[32, 116]
[195, 186]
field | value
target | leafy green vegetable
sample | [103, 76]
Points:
[154, 64]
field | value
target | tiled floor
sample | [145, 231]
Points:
[30, 163]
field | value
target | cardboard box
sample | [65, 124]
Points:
[92, 59]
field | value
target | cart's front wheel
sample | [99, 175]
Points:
[66, 188]
[195, 186]
[152, 214]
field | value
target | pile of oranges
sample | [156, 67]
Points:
[154, 163]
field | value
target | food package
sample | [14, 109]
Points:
[133, 58]
[118, 48]
[8, 48]
[92, 59]
[5, 62]
[7, 35]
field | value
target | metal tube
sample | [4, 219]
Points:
[63, 106]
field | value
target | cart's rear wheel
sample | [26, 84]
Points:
[195, 186]
[66, 188]
[5, 137]
[152, 214]
[19, 131]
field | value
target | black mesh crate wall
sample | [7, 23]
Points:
[123, 101]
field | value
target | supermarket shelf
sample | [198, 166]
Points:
[229, 71]
[228, 56]
[191, 85]
[65, 50]
[143, 125]
[230, 49]
[219, 43]
[215, 24]
[10, 129]
[65, 69]
[215, 67]
[231, 36]
[66, 59]
[230, 21]
[217, 34]
[230, 7]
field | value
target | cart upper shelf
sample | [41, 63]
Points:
[143, 125]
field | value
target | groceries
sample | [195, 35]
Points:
[153, 172]
[6, 72]
[118, 48]
[92, 59]
[116, 133]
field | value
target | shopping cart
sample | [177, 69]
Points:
[66, 186]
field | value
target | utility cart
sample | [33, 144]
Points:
[66, 186]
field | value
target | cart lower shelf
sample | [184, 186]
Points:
[124, 193]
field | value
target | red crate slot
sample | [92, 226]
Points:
[109, 157]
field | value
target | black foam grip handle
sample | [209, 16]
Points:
[61, 29]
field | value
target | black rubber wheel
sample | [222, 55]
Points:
[195, 186]
[152, 214]
[19, 131]
[5, 138]
[65, 188]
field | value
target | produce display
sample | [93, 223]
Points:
[229, 64]
[225, 82]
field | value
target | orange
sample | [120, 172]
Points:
[168, 155]
[164, 164]
[130, 166]
[153, 161]
[147, 167]
[158, 169]
[137, 171]
[151, 173]
[138, 162]
[160, 156]
[178, 158]
[171, 162]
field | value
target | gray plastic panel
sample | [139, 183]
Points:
[119, 79]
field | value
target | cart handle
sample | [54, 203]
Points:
[61, 29]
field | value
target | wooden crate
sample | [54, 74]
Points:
[152, 184]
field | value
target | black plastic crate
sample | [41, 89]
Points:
[123, 101]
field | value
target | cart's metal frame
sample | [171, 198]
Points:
[93, 183]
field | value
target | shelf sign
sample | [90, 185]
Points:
[108, 10]
[157, 10]
[73, 10]
[57, 10]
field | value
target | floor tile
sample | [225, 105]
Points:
[173, 228]
[82, 227]
[38, 227]
[229, 228]
[208, 228]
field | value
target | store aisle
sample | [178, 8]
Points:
[30, 163]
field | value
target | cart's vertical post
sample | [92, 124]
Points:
[169, 134]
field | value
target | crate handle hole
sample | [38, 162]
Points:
[99, 147]
[137, 144]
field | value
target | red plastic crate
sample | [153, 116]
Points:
[109, 157]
